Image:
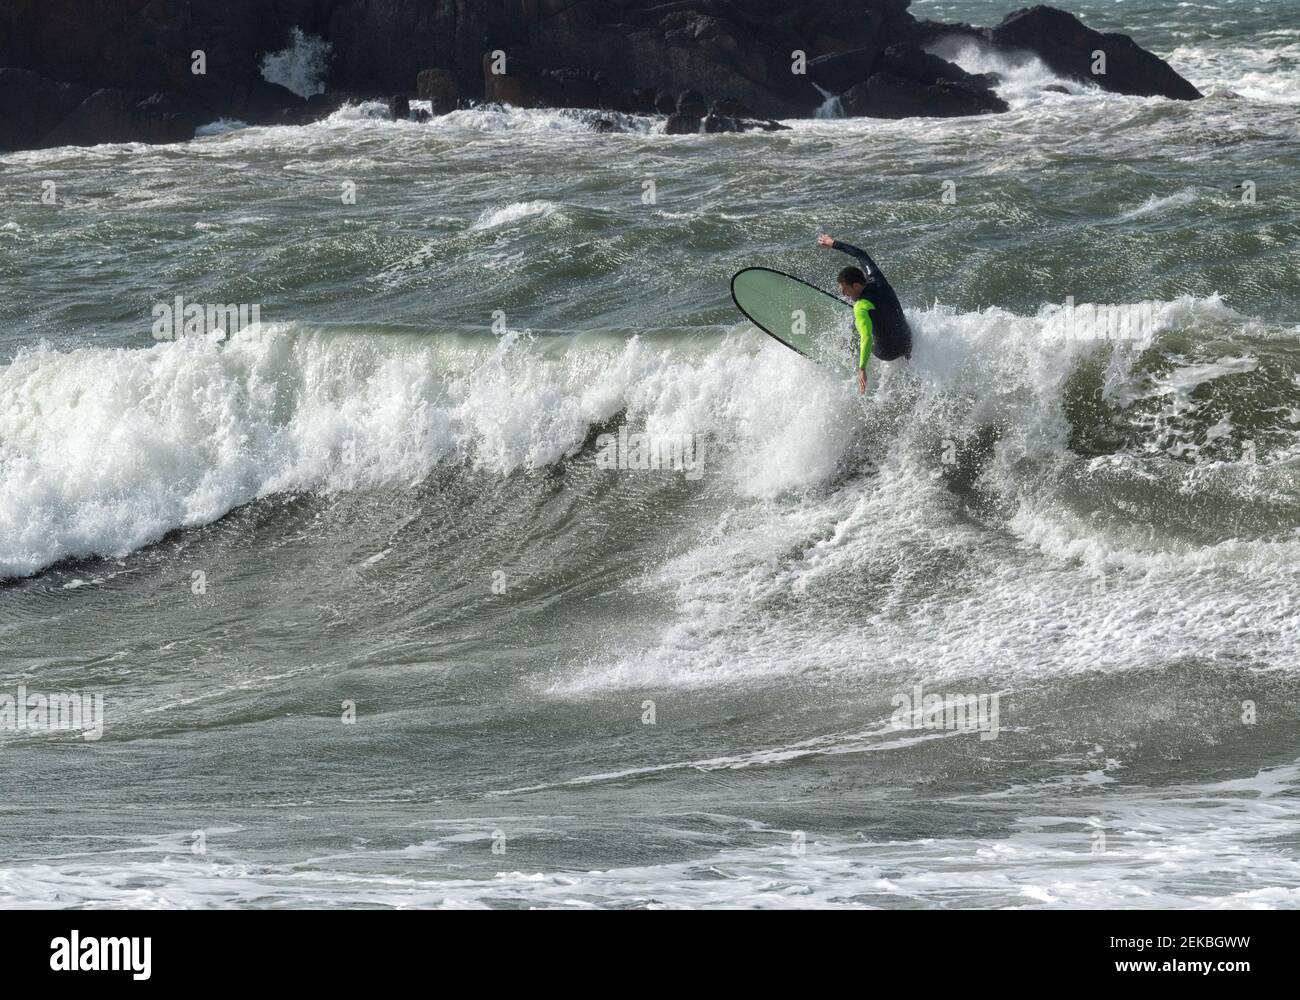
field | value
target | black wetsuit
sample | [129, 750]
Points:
[891, 336]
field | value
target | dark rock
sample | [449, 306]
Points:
[665, 103]
[1066, 45]
[434, 83]
[758, 125]
[717, 55]
[122, 116]
[525, 86]
[725, 123]
[399, 107]
[259, 102]
[320, 106]
[521, 86]
[729, 108]
[679, 124]
[576, 88]
[439, 88]
[914, 63]
[42, 113]
[889, 96]
[912, 82]
[691, 102]
[1055, 88]
[633, 102]
[33, 107]
[841, 70]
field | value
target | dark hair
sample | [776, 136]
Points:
[852, 276]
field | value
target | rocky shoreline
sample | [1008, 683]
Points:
[76, 72]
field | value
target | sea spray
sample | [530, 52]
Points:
[300, 66]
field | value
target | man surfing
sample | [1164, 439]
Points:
[887, 335]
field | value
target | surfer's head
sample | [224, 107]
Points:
[852, 282]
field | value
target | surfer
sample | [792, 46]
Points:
[886, 335]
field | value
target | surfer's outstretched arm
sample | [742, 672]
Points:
[863, 258]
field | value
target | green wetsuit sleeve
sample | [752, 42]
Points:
[862, 319]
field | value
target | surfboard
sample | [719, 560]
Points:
[803, 317]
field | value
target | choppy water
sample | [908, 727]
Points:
[392, 503]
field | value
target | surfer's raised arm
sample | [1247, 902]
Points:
[868, 265]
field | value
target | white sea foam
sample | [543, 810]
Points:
[1156, 205]
[103, 451]
[300, 66]
[1022, 76]
[508, 214]
[1269, 74]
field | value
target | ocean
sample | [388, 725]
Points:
[374, 602]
